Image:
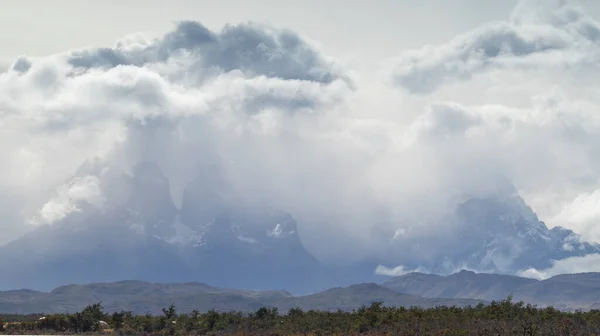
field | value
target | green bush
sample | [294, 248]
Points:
[498, 318]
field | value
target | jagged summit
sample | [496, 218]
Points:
[495, 233]
[140, 234]
[503, 232]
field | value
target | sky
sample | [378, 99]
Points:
[328, 109]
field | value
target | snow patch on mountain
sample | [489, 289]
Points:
[278, 232]
[184, 235]
[247, 240]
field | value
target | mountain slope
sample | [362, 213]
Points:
[120, 240]
[567, 291]
[139, 297]
[464, 284]
[354, 296]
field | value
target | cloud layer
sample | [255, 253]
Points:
[355, 159]
[540, 35]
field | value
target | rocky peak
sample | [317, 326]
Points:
[150, 190]
[506, 209]
[502, 233]
[209, 195]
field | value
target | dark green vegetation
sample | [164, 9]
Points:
[498, 318]
[142, 297]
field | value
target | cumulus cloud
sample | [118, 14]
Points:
[584, 211]
[359, 164]
[538, 36]
[252, 48]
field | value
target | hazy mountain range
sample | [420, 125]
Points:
[567, 292]
[142, 297]
[132, 230]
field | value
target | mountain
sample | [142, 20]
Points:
[465, 288]
[121, 240]
[258, 244]
[503, 234]
[138, 233]
[142, 297]
[464, 284]
[354, 296]
[137, 296]
[111, 223]
[567, 291]
[495, 233]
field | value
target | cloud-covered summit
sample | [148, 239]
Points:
[133, 101]
[353, 159]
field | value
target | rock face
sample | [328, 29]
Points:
[497, 233]
[503, 234]
[140, 234]
[239, 244]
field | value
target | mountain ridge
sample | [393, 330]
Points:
[567, 292]
[142, 297]
[564, 291]
[131, 229]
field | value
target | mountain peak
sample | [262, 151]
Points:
[148, 172]
[465, 273]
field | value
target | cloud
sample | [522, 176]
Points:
[402, 270]
[278, 232]
[588, 263]
[583, 210]
[356, 161]
[191, 97]
[69, 199]
[396, 271]
[540, 35]
[255, 49]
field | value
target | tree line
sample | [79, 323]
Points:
[497, 318]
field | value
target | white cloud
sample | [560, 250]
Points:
[69, 199]
[278, 232]
[588, 263]
[248, 240]
[583, 213]
[402, 270]
[396, 271]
